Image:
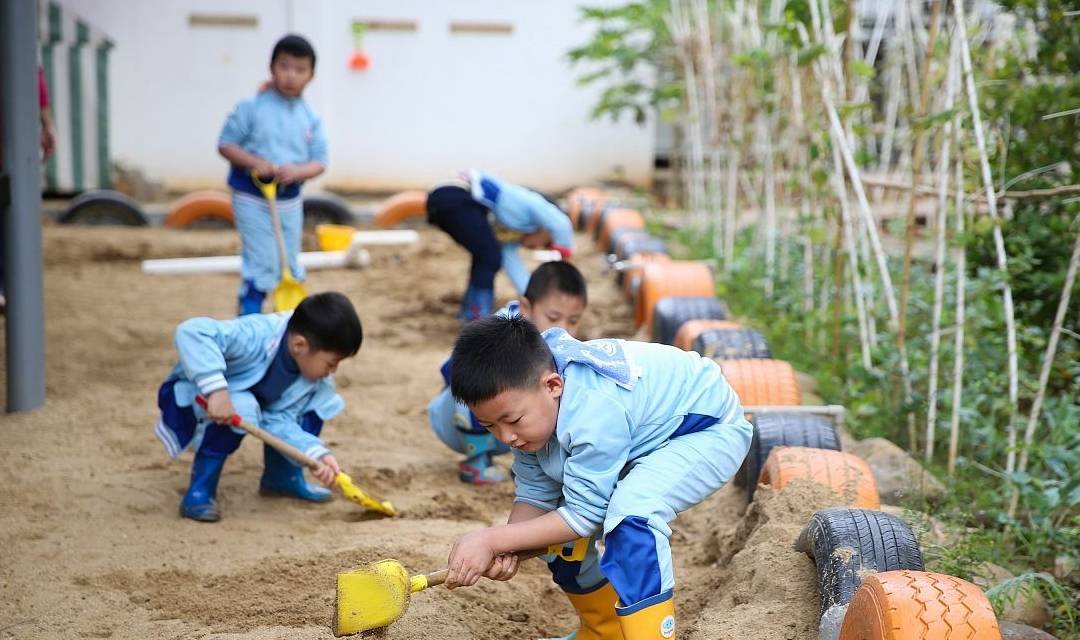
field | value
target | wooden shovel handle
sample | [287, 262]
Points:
[282, 447]
[439, 577]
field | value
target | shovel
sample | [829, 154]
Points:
[376, 595]
[341, 480]
[289, 293]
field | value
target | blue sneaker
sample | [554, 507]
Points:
[282, 477]
[200, 501]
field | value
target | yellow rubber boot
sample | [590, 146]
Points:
[654, 621]
[596, 610]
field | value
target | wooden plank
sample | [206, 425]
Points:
[382, 24]
[496, 28]
[223, 20]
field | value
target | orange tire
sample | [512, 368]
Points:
[201, 208]
[400, 207]
[918, 605]
[664, 280]
[618, 219]
[684, 337]
[762, 381]
[847, 475]
[631, 276]
[581, 199]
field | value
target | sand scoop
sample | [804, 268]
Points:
[341, 480]
[376, 595]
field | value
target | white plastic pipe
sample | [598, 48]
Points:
[354, 257]
[383, 238]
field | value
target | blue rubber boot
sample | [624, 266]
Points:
[283, 478]
[250, 299]
[477, 304]
[479, 467]
[200, 501]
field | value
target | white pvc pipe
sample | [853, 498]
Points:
[231, 264]
[381, 238]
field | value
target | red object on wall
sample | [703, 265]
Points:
[359, 61]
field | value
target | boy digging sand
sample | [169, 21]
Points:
[611, 439]
[555, 297]
[518, 216]
[277, 136]
[272, 370]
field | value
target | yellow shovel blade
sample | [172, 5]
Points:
[370, 597]
[289, 293]
[357, 495]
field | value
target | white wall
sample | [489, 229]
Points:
[431, 102]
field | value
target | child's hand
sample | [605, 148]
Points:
[503, 568]
[263, 168]
[219, 406]
[536, 240]
[288, 173]
[469, 559]
[328, 471]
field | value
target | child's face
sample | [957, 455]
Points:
[313, 364]
[523, 418]
[556, 309]
[290, 74]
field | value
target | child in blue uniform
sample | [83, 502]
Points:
[272, 370]
[555, 297]
[612, 439]
[278, 136]
[518, 217]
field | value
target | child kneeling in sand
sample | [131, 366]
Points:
[612, 439]
[272, 370]
[554, 297]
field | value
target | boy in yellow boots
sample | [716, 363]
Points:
[612, 439]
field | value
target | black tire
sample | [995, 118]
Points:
[623, 235]
[600, 221]
[641, 244]
[670, 313]
[732, 344]
[592, 210]
[779, 429]
[104, 207]
[326, 210]
[847, 544]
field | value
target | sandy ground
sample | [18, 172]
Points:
[93, 545]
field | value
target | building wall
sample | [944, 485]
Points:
[431, 102]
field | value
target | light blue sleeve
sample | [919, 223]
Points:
[515, 267]
[286, 425]
[551, 218]
[532, 485]
[325, 401]
[597, 433]
[317, 148]
[238, 125]
[205, 344]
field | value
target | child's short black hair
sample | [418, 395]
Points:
[494, 354]
[296, 46]
[328, 322]
[556, 276]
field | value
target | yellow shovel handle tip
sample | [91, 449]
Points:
[418, 583]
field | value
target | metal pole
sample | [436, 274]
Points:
[21, 130]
